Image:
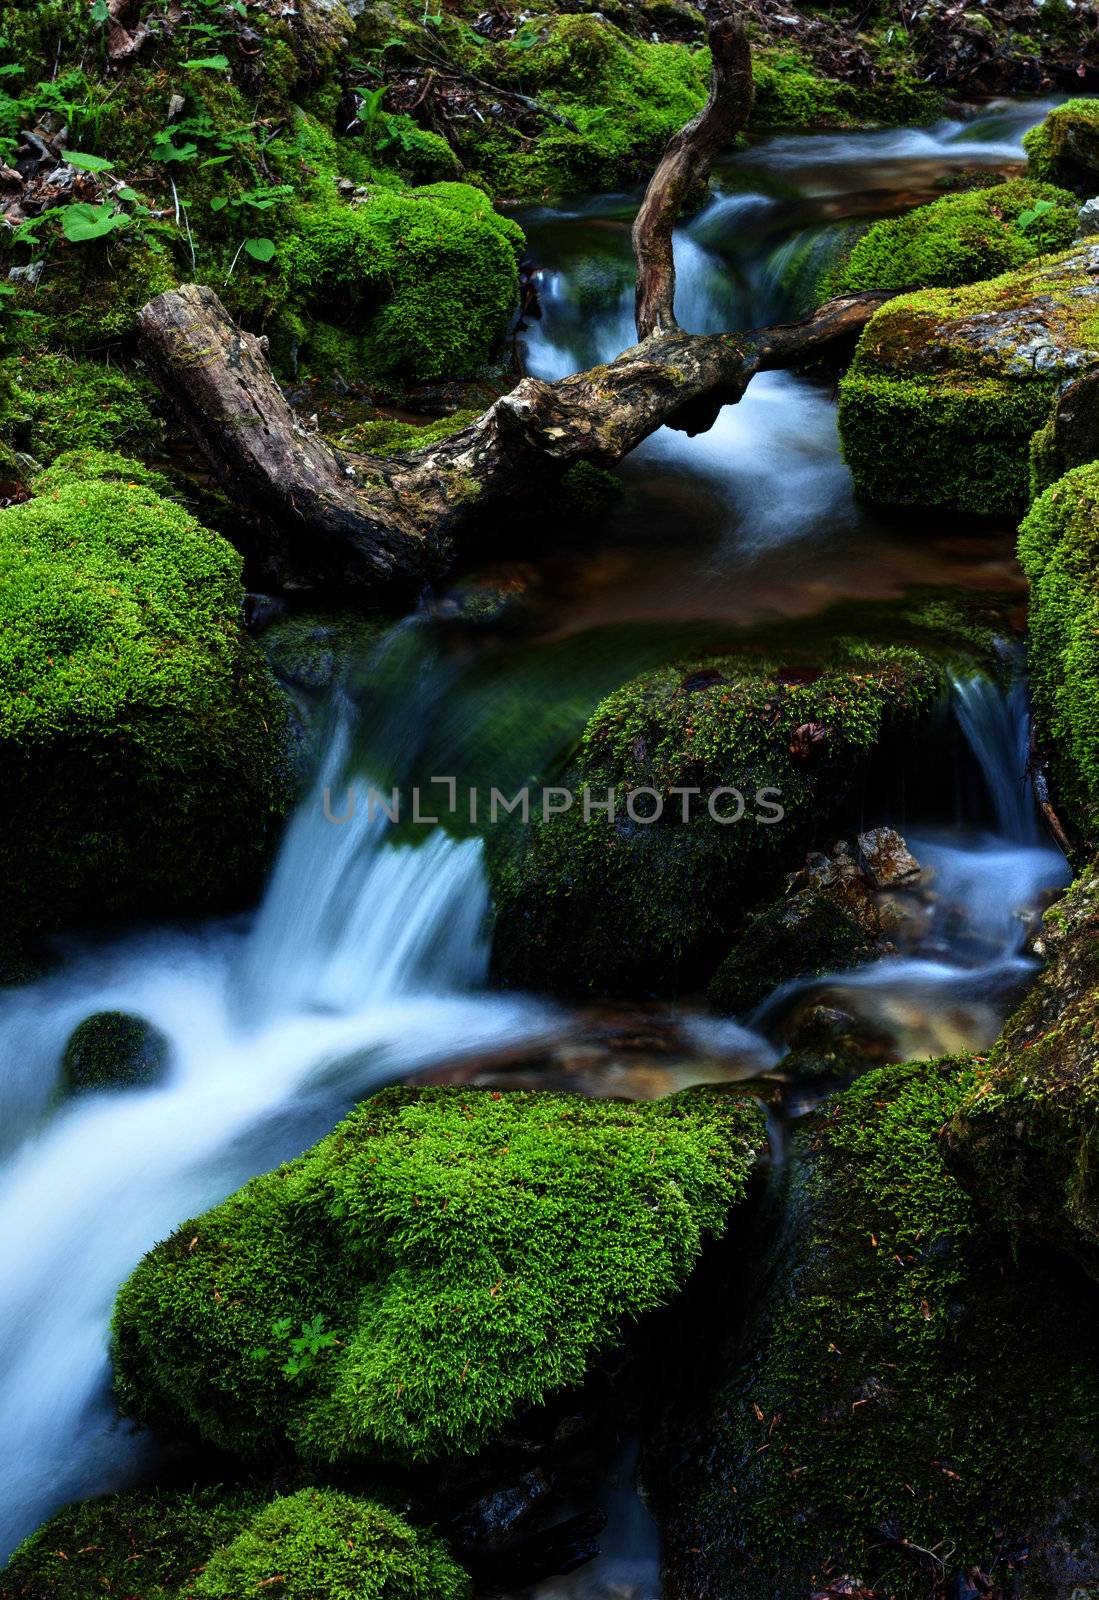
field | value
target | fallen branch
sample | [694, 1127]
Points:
[363, 522]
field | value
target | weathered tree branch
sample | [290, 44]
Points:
[686, 162]
[365, 523]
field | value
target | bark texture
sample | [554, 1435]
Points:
[366, 523]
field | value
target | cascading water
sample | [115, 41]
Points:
[361, 966]
[953, 993]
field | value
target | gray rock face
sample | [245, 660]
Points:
[1088, 219]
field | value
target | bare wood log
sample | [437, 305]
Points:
[367, 523]
[686, 161]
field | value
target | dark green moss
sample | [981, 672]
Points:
[1025, 1140]
[442, 1260]
[145, 1543]
[791, 93]
[141, 735]
[790, 939]
[231, 1544]
[903, 1388]
[624, 906]
[958, 239]
[114, 1050]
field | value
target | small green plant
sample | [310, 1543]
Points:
[1033, 214]
[83, 221]
[304, 1348]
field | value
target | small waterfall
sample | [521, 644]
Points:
[357, 970]
[995, 724]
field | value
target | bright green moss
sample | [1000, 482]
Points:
[457, 1254]
[904, 1384]
[790, 93]
[231, 1544]
[58, 403]
[949, 385]
[319, 1544]
[1059, 552]
[101, 466]
[140, 733]
[1065, 147]
[625, 97]
[386, 436]
[958, 239]
[587, 905]
[424, 280]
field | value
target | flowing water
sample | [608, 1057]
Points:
[367, 960]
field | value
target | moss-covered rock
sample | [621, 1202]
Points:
[618, 904]
[1065, 147]
[974, 234]
[141, 735]
[443, 1260]
[112, 1050]
[1059, 552]
[902, 1387]
[1025, 1139]
[948, 386]
[792, 93]
[52, 403]
[422, 281]
[228, 1544]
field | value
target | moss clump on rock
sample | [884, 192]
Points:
[419, 281]
[141, 735]
[444, 1259]
[52, 403]
[791, 93]
[1065, 147]
[948, 386]
[1025, 1138]
[599, 904]
[958, 239]
[226, 1544]
[902, 1387]
[1059, 552]
[112, 1050]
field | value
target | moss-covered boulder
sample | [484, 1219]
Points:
[228, 1543]
[1065, 147]
[420, 281]
[140, 732]
[112, 1050]
[52, 403]
[623, 903]
[948, 386]
[977, 233]
[1059, 552]
[443, 1260]
[1026, 1138]
[906, 1404]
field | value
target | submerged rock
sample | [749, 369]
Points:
[443, 1260]
[112, 1050]
[905, 1401]
[225, 1543]
[949, 386]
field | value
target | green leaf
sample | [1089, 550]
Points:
[260, 249]
[86, 163]
[99, 11]
[167, 151]
[216, 161]
[128, 194]
[1037, 210]
[219, 202]
[210, 63]
[81, 222]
